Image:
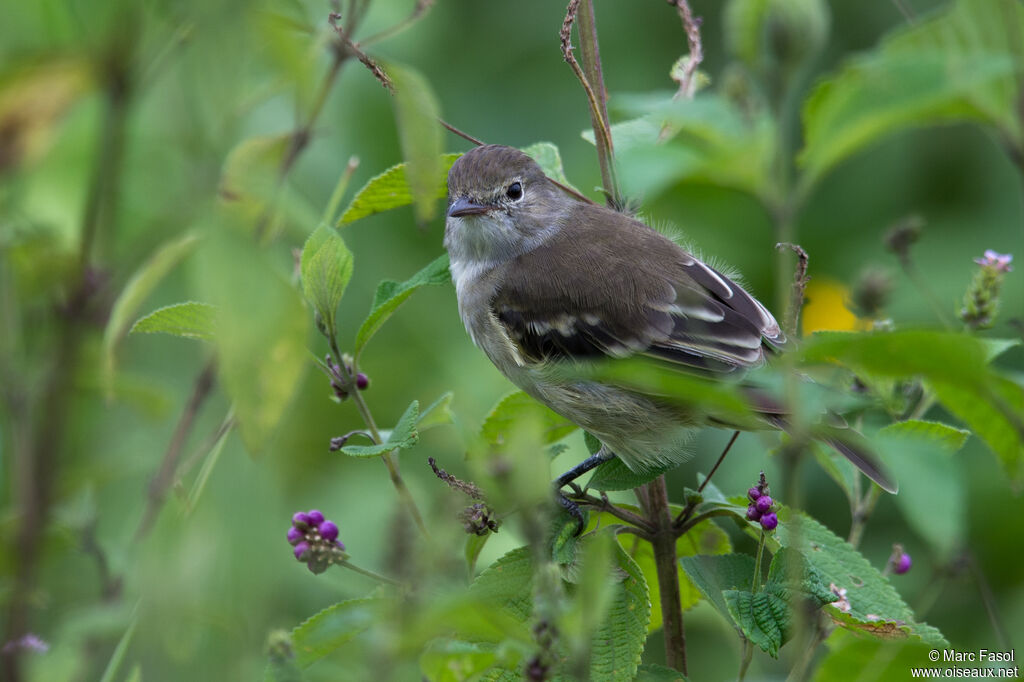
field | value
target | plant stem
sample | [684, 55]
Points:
[663, 542]
[369, 574]
[861, 514]
[748, 647]
[349, 378]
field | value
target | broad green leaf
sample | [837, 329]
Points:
[996, 347]
[450, 660]
[438, 413]
[714, 575]
[390, 295]
[875, 608]
[615, 475]
[261, 332]
[505, 585]
[652, 672]
[707, 139]
[190, 319]
[518, 407]
[936, 434]
[326, 268]
[138, 288]
[549, 159]
[766, 617]
[960, 65]
[390, 190]
[996, 416]
[416, 114]
[402, 437]
[251, 175]
[326, 631]
[857, 659]
[618, 642]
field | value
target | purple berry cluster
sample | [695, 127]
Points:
[760, 507]
[339, 377]
[315, 540]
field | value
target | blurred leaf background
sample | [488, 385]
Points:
[179, 116]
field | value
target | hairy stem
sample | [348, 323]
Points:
[663, 542]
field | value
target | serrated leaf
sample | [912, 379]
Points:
[714, 575]
[549, 159]
[390, 295]
[618, 642]
[324, 632]
[874, 605]
[505, 584]
[138, 288]
[438, 413]
[190, 319]
[416, 114]
[402, 437]
[517, 407]
[260, 335]
[959, 65]
[390, 190]
[615, 475]
[936, 434]
[766, 617]
[326, 268]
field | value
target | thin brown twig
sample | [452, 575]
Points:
[690, 506]
[164, 477]
[417, 13]
[800, 280]
[464, 135]
[348, 46]
[687, 82]
[603, 504]
[598, 112]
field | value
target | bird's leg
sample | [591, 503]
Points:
[592, 462]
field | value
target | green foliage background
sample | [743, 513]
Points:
[216, 89]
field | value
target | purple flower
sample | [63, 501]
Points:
[316, 517]
[328, 531]
[362, 381]
[753, 494]
[902, 564]
[752, 512]
[302, 551]
[764, 504]
[769, 521]
[301, 520]
[992, 259]
[295, 536]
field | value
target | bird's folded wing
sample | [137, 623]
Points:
[609, 296]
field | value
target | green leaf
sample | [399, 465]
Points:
[505, 585]
[417, 114]
[875, 608]
[326, 268]
[615, 475]
[618, 642]
[549, 159]
[474, 545]
[251, 175]
[326, 631]
[390, 295]
[714, 575]
[121, 650]
[935, 434]
[996, 347]
[439, 413]
[766, 617]
[856, 659]
[138, 288]
[450, 660]
[708, 138]
[652, 672]
[261, 331]
[955, 366]
[402, 437]
[390, 190]
[517, 407]
[190, 319]
[960, 65]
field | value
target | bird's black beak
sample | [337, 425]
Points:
[463, 207]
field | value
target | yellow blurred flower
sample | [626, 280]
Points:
[825, 308]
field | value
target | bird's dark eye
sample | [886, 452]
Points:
[514, 191]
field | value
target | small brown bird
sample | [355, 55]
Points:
[544, 280]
